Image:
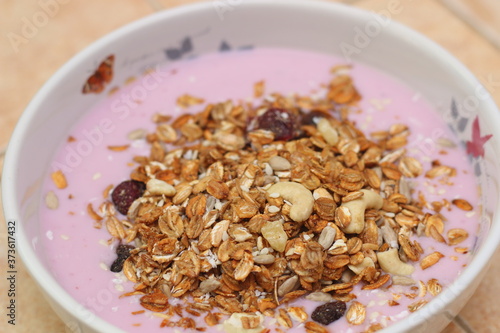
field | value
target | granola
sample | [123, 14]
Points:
[249, 208]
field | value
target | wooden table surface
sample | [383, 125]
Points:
[469, 29]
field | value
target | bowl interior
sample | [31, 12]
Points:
[355, 35]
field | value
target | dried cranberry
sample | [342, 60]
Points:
[312, 117]
[329, 312]
[279, 121]
[125, 193]
[123, 252]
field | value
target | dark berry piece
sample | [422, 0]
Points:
[312, 117]
[117, 265]
[127, 192]
[123, 252]
[329, 312]
[279, 121]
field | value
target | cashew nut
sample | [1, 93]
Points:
[159, 187]
[328, 132]
[357, 269]
[301, 198]
[357, 207]
[390, 263]
[234, 324]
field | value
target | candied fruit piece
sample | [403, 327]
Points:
[279, 121]
[125, 193]
[123, 252]
[329, 312]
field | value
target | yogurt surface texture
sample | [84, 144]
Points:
[100, 150]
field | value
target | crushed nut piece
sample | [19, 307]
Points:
[59, 179]
[51, 200]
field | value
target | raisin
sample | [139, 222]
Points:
[279, 121]
[123, 252]
[125, 193]
[117, 265]
[329, 312]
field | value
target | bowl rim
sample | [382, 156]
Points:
[61, 297]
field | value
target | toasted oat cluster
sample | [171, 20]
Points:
[240, 210]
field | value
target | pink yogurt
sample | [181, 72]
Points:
[78, 255]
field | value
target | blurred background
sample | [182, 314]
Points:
[39, 36]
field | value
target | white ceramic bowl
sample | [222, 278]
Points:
[354, 34]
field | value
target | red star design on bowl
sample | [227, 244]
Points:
[475, 147]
